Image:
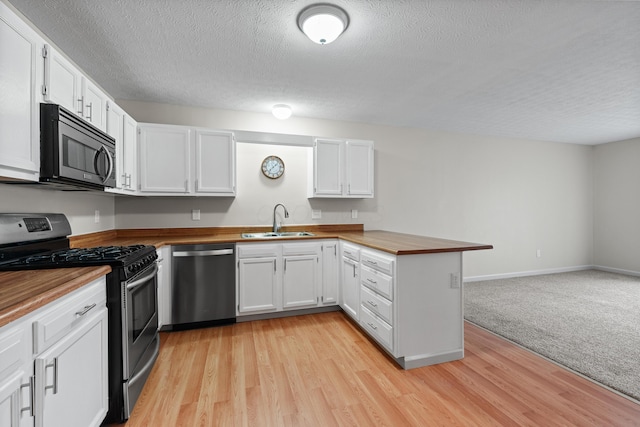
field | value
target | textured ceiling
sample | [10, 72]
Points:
[554, 70]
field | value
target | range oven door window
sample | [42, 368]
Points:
[140, 315]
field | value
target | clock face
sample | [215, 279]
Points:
[272, 167]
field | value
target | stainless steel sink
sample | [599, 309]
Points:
[271, 234]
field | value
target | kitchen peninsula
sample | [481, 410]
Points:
[404, 290]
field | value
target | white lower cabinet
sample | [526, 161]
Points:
[164, 285]
[410, 304]
[274, 277]
[329, 273]
[71, 386]
[53, 363]
[300, 275]
[350, 279]
[257, 285]
[16, 375]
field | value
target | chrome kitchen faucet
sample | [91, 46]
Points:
[276, 226]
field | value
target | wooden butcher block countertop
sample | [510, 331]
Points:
[387, 241]
[24, 291]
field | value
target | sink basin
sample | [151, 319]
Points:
[271, 234]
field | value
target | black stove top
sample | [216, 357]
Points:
[39, 241]
[132, 258]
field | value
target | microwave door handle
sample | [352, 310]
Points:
[110, 165]
[104, 150]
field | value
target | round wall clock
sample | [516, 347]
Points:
[272, 167]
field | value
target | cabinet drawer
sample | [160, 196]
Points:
[377, 328]
[67, 313]
[300, 249]
[15, 349]
[379, 282]
[257, 251]
[351, 252]
[377, 304]
[377, 261]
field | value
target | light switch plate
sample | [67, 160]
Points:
[316, 214]
[354, 213]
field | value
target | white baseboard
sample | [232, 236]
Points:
[529, 273]
[617, 270]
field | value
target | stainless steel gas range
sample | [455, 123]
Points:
[40, 241]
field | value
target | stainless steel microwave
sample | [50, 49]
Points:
[73, 152]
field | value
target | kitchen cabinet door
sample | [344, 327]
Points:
[257, 285]
[115, 128]
[300, 281]
[329, 273]
[215, 162]
[130, 154]
[350, 282]
[164, 286]
[125, 131]
[359, 168]
[62, 81]
[328, 167]
[94, 106]
[164, 158]
[13, 397]
[16, 370]
[20, 68]
[71, 377]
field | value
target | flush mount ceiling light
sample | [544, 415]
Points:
[281, 111]
[323, 23]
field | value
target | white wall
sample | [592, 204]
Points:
[79, 207]
[518, 195]
[617, 206]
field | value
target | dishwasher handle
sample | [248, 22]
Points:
[214, 252]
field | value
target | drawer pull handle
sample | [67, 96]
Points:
[374, 327]
[372, 262]
[373, 304]
[85, 310]
[372, 281]
[54, 386]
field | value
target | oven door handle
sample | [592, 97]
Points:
[142, 280]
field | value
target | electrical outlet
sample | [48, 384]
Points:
[195, 215]
[538, 253]
[96, 217]
[316, 214]
[454, 280]
[354, 213]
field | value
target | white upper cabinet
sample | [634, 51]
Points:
[124, 129]
[62, 81]
[164, 158]
[20, 70]
[64, 84]
[130, 155]
[178, 160]
[341, 169]
[215, 159]
[95, 104]
[359, 168]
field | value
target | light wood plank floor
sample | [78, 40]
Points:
[320, 370]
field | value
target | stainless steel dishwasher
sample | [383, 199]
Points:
[203, 290]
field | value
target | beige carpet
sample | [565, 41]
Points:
[587, 320]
